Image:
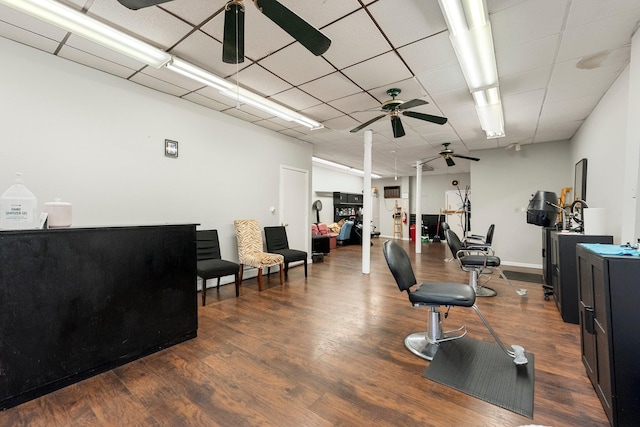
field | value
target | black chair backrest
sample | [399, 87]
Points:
[276, 238]
[489, 237]
[399, 264]
[453, 241]
[208, 246]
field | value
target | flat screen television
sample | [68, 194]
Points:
[539, 211]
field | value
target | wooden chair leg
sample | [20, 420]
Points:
[282, 274]
[259, 278]
[286, 270]
[204, 291]
[218, 287]
[240, 270]
[237, 285]
[305, 267]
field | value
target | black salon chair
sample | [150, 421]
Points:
[478, 241]
[434, 295]
[277, 243]
[209, 262]
[477, 260]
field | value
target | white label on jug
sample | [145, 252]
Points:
[17, 214]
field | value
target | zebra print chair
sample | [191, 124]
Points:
[251, 250]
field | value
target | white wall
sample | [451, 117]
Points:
[502, 183]
[97, 141]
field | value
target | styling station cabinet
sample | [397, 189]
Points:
[346, 205]
[564, 270]
[76, 302]
[609, 332]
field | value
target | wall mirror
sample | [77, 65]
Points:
[580, 183]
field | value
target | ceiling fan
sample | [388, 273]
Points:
[394, 107]
[448, 155]
[233, 36]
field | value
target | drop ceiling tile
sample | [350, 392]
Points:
[443, 79]
[535, 19]
[295, 99]
[405, 21]
[523, 107]
[159, 85]
[358, 102]
[563, 131]
[241, 114]
[292, 133]
[269, 125]
[587, 11]
[429, 54]
[568, 81]
[342, 123]
[588, 40]
[527, 56]
[261, 81]
[330, 87]
[296, 65]
[28, 38]
[150, 24]
[194, 12]
[378, 71]
[191, 49]
[319, 13]
[205, 102]
[570, 109]
[321, 112]
[215, 95]
[524, 82]
[96, 62]
[364, 40]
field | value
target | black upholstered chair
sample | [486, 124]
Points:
[478, 241]
[210, 265]
[477, 260]
[434, 295]
[277, 243]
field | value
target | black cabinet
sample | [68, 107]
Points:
[79, 301]
[346, 205]
[609, 295]
[564, 271]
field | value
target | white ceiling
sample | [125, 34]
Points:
[556, 59]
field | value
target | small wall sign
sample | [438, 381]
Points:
[170, 148]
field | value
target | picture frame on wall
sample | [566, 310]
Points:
[170, 148]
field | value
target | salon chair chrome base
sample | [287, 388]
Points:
[425, 344]
[481, 291]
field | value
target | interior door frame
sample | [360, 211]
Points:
[305, 204]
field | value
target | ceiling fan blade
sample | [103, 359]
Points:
[233, 37]
[424, 161]
[427, 117]
[365, 124]
[449, 160]
[316, 42]
[139, 4]
[411, 103]
[396, 125]
[475, 159]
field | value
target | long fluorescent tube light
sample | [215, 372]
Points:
[84, 26]
[470, 35]
[342, 167]
[198, 74]
[244, 96]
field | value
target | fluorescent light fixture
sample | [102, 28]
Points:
[91, 29]
[470, 35]
[342, 167]
[179, 66]
[244, 96]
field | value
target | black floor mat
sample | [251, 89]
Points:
[483, 370]
[524, 277]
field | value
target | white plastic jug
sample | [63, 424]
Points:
[18, 207]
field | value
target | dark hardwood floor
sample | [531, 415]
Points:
[324, 351]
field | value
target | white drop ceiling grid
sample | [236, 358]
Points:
[556, 59]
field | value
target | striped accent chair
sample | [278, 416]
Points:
[251, 252]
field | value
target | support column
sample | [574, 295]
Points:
[418, 199]
[366, 204]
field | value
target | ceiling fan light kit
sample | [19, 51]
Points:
[470, 35]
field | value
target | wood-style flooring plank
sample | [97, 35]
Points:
[327, 350]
